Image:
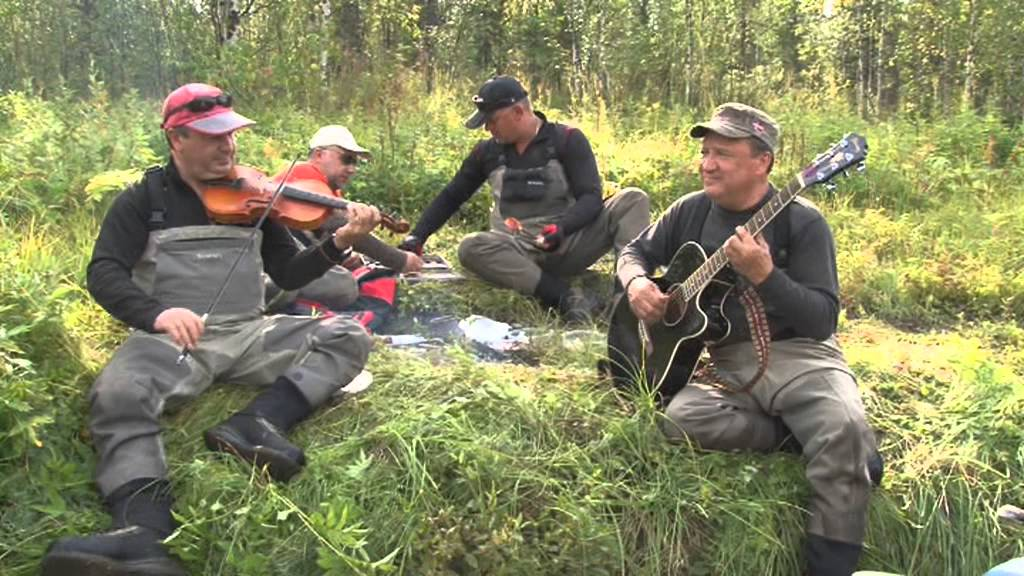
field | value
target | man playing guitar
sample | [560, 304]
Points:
[806, 389]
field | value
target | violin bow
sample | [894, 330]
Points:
[252, 235]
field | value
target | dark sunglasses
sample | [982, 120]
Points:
[347, 158]
[202, 104]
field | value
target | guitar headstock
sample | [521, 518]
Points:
[849, 152]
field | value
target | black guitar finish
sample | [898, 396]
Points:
[667, 351]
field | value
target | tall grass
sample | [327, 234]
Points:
[450, 465]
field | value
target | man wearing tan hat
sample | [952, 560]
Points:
[158, 264]
[548, 221]
[334, 158]
[807, 390]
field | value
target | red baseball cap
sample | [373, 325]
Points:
[203, 108]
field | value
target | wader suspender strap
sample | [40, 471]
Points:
[156, 187]
[753, 307]
[555, 149]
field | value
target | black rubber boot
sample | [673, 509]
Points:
[577, 308]
[827, 557]
[141, 512]
[876, 468]
[570, 303]
[258, 442]
[127, 551]
[550, 290]
[256, 433]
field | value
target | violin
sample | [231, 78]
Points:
[245, 193]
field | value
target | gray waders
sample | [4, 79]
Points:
[184, 267]
[810, 388]
[537, 197]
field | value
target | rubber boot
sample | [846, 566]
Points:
[141, 519]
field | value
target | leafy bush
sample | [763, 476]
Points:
[49, 150]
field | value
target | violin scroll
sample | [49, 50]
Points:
[394, 223]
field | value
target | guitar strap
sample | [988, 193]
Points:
[753, 307]
[760, 338]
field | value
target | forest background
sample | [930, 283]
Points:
[449, 465]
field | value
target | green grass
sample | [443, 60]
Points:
[450, 465]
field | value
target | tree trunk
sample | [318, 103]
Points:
[880, 62]
[575, 84]
[430, 19]
[862, 57]
[688, 57]
[600, 65]
[969, 59]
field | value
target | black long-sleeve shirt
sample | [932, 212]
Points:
[125, 232]
[800, 300]
[575, 155]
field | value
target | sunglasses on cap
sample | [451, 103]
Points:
[485, 106]
[202, 104]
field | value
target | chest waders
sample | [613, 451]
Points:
[535, 196]
[184, 267]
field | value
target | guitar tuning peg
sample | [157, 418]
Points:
[830, 186]
[861, 166]
[846, 173]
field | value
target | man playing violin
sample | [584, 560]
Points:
[548, 221]
[807, 390]
[158, 263]
[334, 158]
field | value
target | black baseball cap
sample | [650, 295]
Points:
[497, 93]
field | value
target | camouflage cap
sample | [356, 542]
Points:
[735, 120]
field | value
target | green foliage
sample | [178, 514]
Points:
[450, 465]
[34, 288]
[873, 57]
[952, 419]
[49, 150]
[18, 401]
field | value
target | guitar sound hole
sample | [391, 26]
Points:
[675, 311]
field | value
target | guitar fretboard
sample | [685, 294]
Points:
[714, 264]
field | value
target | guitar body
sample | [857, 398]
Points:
[663, 356]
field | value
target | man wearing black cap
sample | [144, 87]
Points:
[548, 221]
[807, 389]
[158, 264]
